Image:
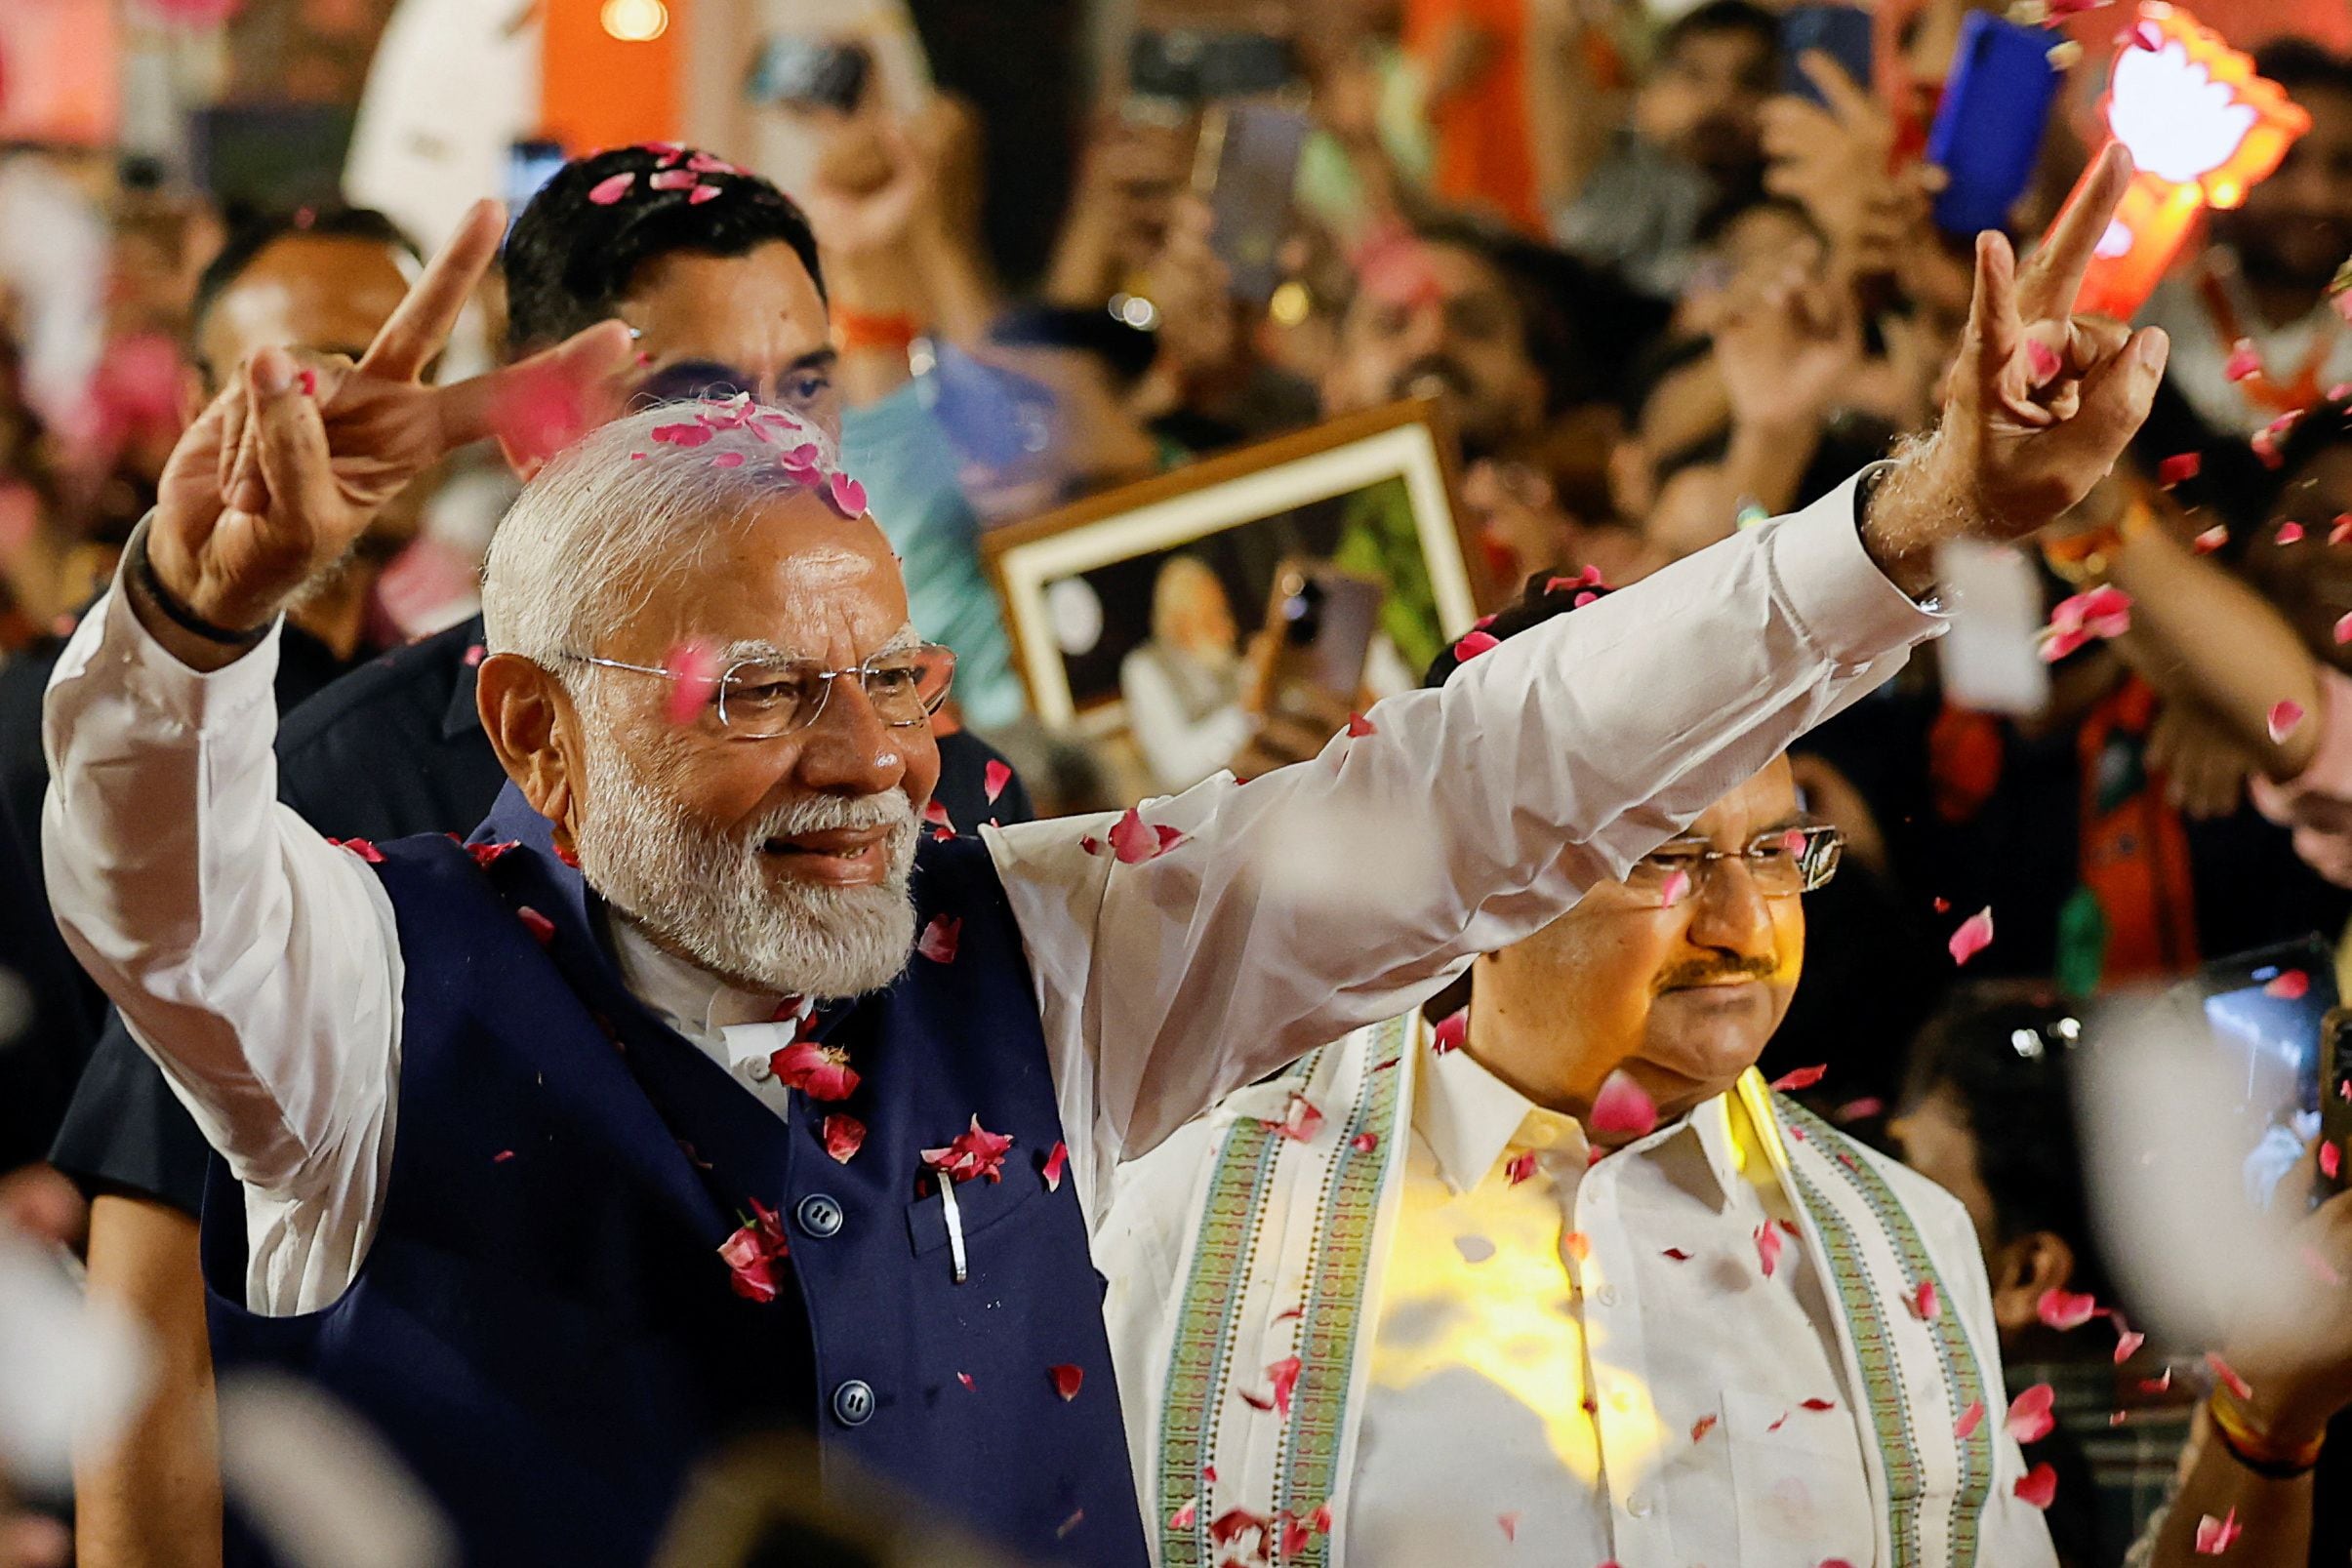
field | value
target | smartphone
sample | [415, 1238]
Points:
[2336, 1096]
[1322, 621]
[530, 165]
[995, 416]
[1200, 67]
[1841, 32]
[1248, 164]
[2267, 1014]
[811, 74]
[1988, 130]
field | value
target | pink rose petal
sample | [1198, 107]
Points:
[2182, 466]
[673, 179]
[1969, 1419]
[2215, 1536]
[2242, 362]
[2212, 540]
[975, 1152]
[2029, 1419]
[847, 495]
[939, 939]
[2038, 1487]
[1976, 934]
[693, 681]
[1623, 1107]
[1359, 726]
[1925, 1303]
[700, 195]
[687, 433]
[2291, 534]
[1186, 1516]
[2041, 363]
[992, 780]
[1451, 1033]
[2285, 719]
[2127, 1346]
[1364, 1142]
[817, 1070]
[1799, 1078]
[1067, 1380]
[2066, 1310]
[726, 460]
[1767, 1248]
[2288, 985]
[1475, 643]
[1520, 1167]
[843, 1136]
[607, 191]
[542, 929]
[1056, 1158]
[2332, 1163]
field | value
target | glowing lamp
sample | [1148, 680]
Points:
[2202, 128]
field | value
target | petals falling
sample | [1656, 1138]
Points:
[2038, 1487]
[1767, 1248]
[2066, 1310]
[2029, 1419]
[2215, 1536]
[1976, 934]
[1623, 1107]
[1788, 1083]
[992, 780]
[608, 191]
[693, 681]
[1055, 1159]
[2180, 467]
[2242, 361]
[2284, 720]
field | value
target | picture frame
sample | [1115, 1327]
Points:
[1241, 513]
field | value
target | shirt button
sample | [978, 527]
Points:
[819, 1214]
[853, 1402]
[1637, 1504]
[1606, 1295]
[757, 1069]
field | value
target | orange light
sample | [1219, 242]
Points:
[2202, 127]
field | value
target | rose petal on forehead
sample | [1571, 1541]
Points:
[1799, 1078]
[607, 191]
[992, 780]
[693, 678]
[726, 460]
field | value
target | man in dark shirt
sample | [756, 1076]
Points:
[724, 297]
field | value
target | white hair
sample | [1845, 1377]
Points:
[614, 513]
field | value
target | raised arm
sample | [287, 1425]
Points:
[1349, 888]
[252, 958]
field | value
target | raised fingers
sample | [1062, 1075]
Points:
[417, 331]
[2047, 288]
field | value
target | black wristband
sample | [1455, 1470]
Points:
[179, 615]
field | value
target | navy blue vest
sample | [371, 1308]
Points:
[542, 1326]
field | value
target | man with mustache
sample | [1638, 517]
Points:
[1561, 1279]
[700, 1090]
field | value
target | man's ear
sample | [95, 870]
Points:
[2023, 1269]
[535, 731]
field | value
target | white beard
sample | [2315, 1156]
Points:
[714, 898]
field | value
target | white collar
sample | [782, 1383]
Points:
[1470, 1118]
[688, 998]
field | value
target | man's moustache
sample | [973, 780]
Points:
[1685, 977]
[1447, 373]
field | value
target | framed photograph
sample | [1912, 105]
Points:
[1134, 610]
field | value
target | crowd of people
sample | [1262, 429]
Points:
[536, 910]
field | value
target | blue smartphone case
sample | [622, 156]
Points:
[1988, 130]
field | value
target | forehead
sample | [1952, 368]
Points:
[754, 311]
[795, 574]
[1766, 801]
[311, 289]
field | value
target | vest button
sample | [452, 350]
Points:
[853, 1402]
[819, 1214]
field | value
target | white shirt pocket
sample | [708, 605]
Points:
[1801, 1493]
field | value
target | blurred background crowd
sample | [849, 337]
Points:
[1663, 269]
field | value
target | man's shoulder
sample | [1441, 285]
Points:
[408, 686]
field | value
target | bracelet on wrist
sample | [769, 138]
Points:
[2255, 1449]
[142, 573]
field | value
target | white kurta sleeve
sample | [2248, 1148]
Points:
[1349, 888]
[257, 963]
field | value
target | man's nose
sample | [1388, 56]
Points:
[1728, 912]
[849, 750]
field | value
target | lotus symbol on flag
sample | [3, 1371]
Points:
[2175, 120]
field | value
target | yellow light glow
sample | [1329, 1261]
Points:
[636, 21]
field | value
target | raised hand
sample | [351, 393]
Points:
[281, 475]
[2040, 404]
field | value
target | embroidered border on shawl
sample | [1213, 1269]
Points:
[1200, 1358]
[1962, 1373]
[1347, 1209]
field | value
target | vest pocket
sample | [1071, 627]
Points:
[981, 1204]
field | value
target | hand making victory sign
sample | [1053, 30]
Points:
[2040, 403]
[287, 468]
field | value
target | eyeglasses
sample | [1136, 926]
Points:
[759, 699]
[1781, 864]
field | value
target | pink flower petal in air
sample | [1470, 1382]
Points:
[2343, 630]
[2212, 540]
[673, 179]
[1677, 1253]
[2066, 1310]
[2037, 1486]
[1767, 1248]
[1675, 889]
[2289, 986]
[2332, 1163]
[1799, 1078]
[935, 815]
[606, 193]
[1969, 1419]
[844, 1136]
[2029, 1419]
[992, 780]
[2181, 465]
[1067, 1380]
[475, 653]
[1925, 1306]
[1820, 1404]
[537, 411]
[2127, 1346]
[542, 929]
[965, 1378]
[2285, 718]
[1520, 1167]
[693, 681]
[1451, 1033]
[1700, 1428]
[2215, 1536]
[1976, 934]
[1284, 1375]
[939, 939]
[700, 195]
[2242, 361]
[847, 495]
[2041, 361]
[1359, 726]
[1135, 841]
[1475, 643]
[2291, 534]
[1056, 1158]
[1509, 1525]
[1623, 1106]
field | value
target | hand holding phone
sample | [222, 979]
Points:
[811, 74]
[1841, 32]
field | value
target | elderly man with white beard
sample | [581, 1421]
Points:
[707, 1087]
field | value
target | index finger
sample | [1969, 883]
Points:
[2047, 288]
[423, 323]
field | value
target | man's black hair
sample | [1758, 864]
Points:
[572, 258]
[2299, 64]
[2003, 1052]
[259, 231]
[1720, 17]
